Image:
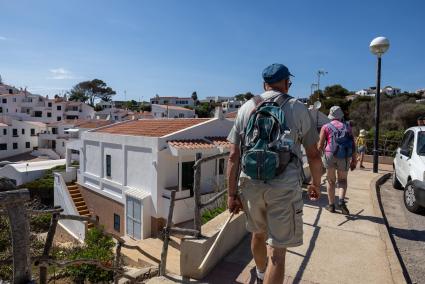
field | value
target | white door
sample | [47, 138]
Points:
[133, 218]
[403, 157]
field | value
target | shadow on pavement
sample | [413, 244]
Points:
[412, 235]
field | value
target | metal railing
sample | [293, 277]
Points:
[386, 147]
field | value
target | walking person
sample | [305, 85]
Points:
[361, 146]
[339, 155]
[265, 156]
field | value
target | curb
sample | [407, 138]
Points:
[398, 271]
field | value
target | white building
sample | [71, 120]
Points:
[116, 114]
[27, 106]
[26, 172]
[218, 99]
[52, 142]
[128, 169]
[167, 111]
[172, 101]
[391, 91]
[371, 92]
[366, 92]
[18, 137]
[230, 106]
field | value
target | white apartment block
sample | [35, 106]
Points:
[26, 106]
[52, 142]
[18, 137]
[167, 111]
[128, 169]
[172, 101]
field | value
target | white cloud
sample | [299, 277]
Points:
[61, 74]
[3, 38]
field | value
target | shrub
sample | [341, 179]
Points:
[97, 246]
[40, 223]
[42, 188]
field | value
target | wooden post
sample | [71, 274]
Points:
[163, 263]
[47, 247]
[197, 193]
[14, 201]
[117, 260]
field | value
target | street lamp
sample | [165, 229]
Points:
[378, 46]
[313, 85]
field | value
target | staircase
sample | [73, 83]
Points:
[79, 202]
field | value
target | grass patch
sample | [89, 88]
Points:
[212, 213]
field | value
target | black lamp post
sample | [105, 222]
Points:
[378, 46]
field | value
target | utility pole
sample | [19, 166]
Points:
[320, 73]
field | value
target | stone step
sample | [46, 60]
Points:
[84, 212]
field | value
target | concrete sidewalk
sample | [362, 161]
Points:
[337, 248]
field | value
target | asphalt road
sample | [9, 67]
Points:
[408, 230]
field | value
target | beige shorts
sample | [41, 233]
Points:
[335, 163]
[275, 210]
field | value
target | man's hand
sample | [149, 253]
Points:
[234, 204]
[313, 192]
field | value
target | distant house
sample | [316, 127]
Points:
[172, 101]
[391, 91]
[167, 111]
[17, 137]
[217, 99]
[229, 106]
[371, 92]
[52, 142]
[366, 92]
[128, 169]
[25, 172]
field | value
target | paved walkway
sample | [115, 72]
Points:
[337, 248]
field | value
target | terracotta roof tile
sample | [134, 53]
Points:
[95, 123]
[219, 141]
[191, 144]
[152, 127]
[232, 114]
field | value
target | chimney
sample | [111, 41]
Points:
[218, 113]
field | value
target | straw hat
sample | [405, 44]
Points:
[362, 133]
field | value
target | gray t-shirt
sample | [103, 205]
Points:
[298, 120]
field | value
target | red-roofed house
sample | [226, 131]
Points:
[128, 169]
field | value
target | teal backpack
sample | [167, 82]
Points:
[265, 150]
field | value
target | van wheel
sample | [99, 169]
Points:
[410, 198]
[396, 183]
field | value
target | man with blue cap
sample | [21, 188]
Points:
[272, 202]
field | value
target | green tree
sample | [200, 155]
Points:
[204, 110]
[316, 96]
[244, 97]
[91, 91]
[194, 97]
[335, 91]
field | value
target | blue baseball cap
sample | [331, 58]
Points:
[275, 73]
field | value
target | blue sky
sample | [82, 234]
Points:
[172, 48]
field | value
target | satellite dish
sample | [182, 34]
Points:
[317, 105]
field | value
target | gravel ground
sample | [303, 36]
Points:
[408, 230]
